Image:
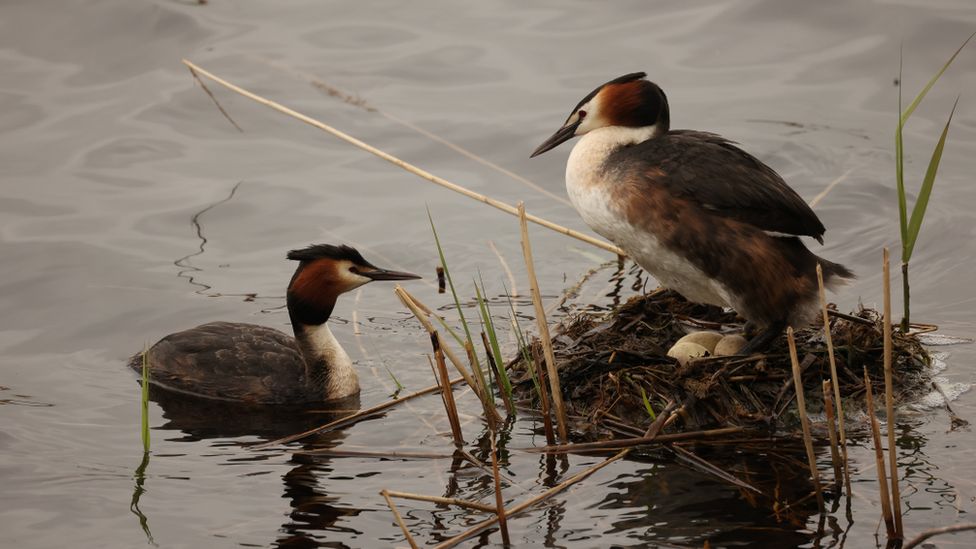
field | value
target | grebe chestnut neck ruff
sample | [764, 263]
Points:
[260, 365]
[704, 217]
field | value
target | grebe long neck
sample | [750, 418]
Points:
[586, 167]
[329, 371]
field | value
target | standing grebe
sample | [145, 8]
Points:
[260, 365]
[704, 217]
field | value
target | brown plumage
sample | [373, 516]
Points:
[703, 216]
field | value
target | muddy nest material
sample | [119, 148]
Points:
[607, 364]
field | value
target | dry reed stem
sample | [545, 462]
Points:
[427, 310]
[419, 304]
[512, 286]
[499, 500]
[420, 312]
[703, 465]
[472, 156]
[443, 501]
[478, 387]
[484, 467]
[653, 430]
[448, 394]
[890, 400]
[214, 99]
[540, 318]
[379, 454]
[357, 101]
[830, 186]
[516, 509]
[355, 325]
[879, 458]
[832, 434]
[835, 383]
[662, 419]
[917, 540]
[540, 374]
[399, 519]
[384, 381]
[801, 406]
[507, 208]
[631, 442]
[351, 418]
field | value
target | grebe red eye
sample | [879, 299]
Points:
[582, 114]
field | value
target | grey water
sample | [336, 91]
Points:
[131, 208]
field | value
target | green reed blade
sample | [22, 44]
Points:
[446, 326]
[647, 405]
[911, 108]
[907, 241]
[900, 168]
[504, 383]
[476, 366]
[922, 202]
[399, 386]
[910, 228]
[145, 399]
[522, 344]
[481, 312]
[447, 275]
[484, 323]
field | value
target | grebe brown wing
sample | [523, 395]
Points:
[722, 178]
[229, 361]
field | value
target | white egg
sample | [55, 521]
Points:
[684, 351]
[708, 340]
[730, 345]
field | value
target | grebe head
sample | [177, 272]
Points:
[324, 272]
[630, 101]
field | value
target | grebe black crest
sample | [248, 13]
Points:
[259, 365]
[701, 215]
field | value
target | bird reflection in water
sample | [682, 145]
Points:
[313, 510]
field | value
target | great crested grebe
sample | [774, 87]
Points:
[259, 365]
[704, 217]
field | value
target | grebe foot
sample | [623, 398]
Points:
[764, 339]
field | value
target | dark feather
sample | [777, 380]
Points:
[328, 251]
[722, 178]
[230, 361]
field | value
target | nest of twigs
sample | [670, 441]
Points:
[611, 367]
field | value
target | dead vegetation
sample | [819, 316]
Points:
[608, 363]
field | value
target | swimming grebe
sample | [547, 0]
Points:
[260, 365]
[704, 217]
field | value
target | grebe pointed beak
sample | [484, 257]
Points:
[383, 274]
[562, 135]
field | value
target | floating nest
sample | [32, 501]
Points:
[612, 367]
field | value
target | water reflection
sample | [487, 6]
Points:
[678, 504]
[657, 500]
[187, 270]
[313, 510]
[140, 478]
